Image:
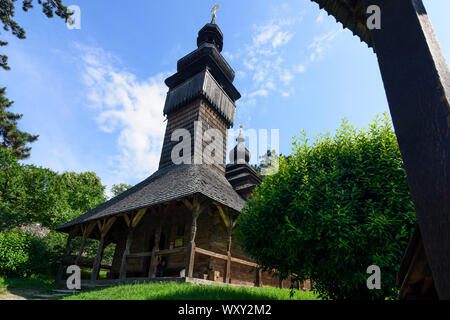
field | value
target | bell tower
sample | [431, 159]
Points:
[201, 102]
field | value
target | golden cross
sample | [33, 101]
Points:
[213, 10]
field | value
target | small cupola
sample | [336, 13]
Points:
[210, 33]
[240, 154]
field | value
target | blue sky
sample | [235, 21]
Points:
[95, 95]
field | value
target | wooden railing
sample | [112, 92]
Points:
[197, 250]
[160, 252]
[224, 257]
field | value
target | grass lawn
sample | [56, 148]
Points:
[187, 291]
[25, 288]
[34, 286]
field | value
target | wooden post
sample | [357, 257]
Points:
[98, 258]
[126, 252]
[86, 232]
[63, 258]
[258, 277]
[132, 223]
[104, 228]
[229, 224]
[190, 253]
[417, 83]
[155, 249]
[227, 277]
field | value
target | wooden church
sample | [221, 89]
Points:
[184, 213]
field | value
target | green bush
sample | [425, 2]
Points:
[22, 254]
[335, 207]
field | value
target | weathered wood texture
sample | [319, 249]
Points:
[201, 111]
[417, 83]
[211, 247]
[414, 278]
[104, 227]
[86, 232]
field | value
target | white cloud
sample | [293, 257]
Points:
[228, 55]
[240, 74]
[265, 33]
[263, 57]
[300, 68]
[129, 107]
[320, 16]
[261, 92]
[320, 43]
[286, 77]
[281, 38]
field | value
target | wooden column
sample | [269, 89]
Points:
[417, 83]
[126, 252]
[155, 247]
[258, 277]
[190, 254]
[229, 224]
[131, 222]
[87, 229]
[63, 258]
[104, 228]
[227, 277]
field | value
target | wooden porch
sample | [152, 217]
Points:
[189, 252]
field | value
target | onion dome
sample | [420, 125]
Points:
[240, 154]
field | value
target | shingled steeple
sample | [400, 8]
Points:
[201, 96]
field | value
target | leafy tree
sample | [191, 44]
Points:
[7, 12]
[334, 208]
[11, 137]
[117, 189]
[84, 190]
[22, 254]
[30, 194]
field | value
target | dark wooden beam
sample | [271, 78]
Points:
[227, 277]
[259, 282]
[86, 229]
[126, 252]
[65, 254]
[229, 222]
[224, 257]
[190, 252]
[417, 83]
[158, 232]
[104, 228]
[98, 258]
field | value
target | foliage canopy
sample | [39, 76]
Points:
[335, 207]
[30, 194]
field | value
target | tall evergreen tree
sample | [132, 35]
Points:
[7, 11]
[11, 137]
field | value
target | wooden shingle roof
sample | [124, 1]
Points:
[351, 14]
[167, 184]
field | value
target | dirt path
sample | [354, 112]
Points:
[29, 294]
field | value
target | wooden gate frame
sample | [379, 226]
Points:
[417, 83]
